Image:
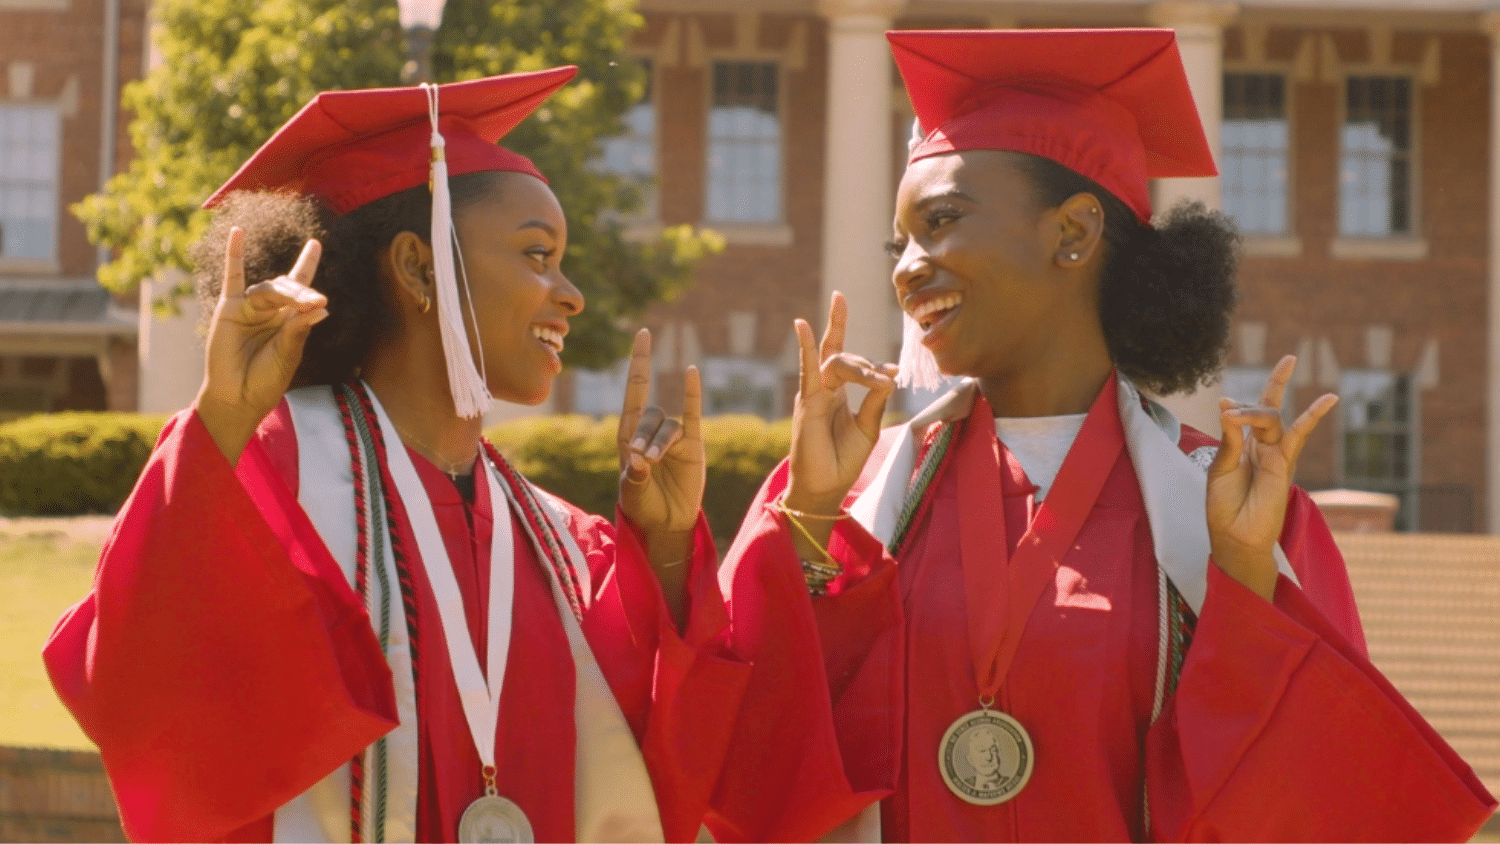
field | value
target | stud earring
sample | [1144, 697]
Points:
[1072, 256]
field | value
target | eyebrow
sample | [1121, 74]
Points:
[538, 224]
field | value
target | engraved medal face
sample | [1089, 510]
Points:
[494, 820]
[986, 757]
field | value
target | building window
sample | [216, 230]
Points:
[741, 385]
[1378, 453]
[600, 392]
[744, 143]
[1255, 152]
[1375, 177]
[632, 154]
[29, 154]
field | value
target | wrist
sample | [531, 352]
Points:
[820, 505]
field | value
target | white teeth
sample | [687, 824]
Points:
[932, 306]
[551, 336]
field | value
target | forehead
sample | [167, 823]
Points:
[977, 173]
[519, 196]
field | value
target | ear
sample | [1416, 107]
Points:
[1080, 230]
[408, 260]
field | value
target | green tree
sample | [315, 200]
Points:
[232, 72]
[618, 277]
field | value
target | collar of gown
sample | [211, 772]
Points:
[1172, 484]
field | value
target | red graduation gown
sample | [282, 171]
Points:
[223, 665]
[1280, 728]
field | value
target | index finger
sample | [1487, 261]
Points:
[637, 384]
[838, 318]
[692, 404]
[234, 265]
[307, 263]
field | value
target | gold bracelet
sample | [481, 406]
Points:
[780, 504]
[827, 557]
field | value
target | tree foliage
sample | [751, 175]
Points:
[618, 277]
[232, 72]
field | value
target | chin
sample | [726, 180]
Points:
[531, 397]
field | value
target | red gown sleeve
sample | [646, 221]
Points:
[220, 662]
[821, 670]
[1281, 729]
[679, 690]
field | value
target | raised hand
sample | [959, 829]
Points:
[255, 342]
[1250, 479]
[829, 442]
[661, 459]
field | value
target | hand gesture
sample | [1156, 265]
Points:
[661, 459]
[829, 443]
[255, 342]
[1250, 479]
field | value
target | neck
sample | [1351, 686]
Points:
[1046, 390]
[413, 389]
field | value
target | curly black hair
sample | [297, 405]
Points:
[1166, 293]
[360, 311]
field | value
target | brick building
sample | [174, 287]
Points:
[65, 343]
[1353, 136]
[1356, 154]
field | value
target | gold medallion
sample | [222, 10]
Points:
[986, 757]
[494, 820]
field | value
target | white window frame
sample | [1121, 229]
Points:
[50, 262]
[771, 231]
[1408, 488]
[1287, 237]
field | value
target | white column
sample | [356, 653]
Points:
[1490, 22]
[1200, 38]
[858, 193]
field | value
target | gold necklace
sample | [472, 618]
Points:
[452, 469]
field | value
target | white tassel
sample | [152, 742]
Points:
[471, 396]
[917, 367]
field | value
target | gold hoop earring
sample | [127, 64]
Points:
[426, 304]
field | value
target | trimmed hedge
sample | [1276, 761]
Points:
[575, 457]
[72, 463]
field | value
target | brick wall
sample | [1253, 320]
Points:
[55, 795]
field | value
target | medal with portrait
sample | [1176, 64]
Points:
[986, 757]
[494, 820]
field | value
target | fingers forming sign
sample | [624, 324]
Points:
[830, 443]
[255, 343]
[661, 459]
[1250, 479]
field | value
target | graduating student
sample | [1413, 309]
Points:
[336, 613]
[1092, 623]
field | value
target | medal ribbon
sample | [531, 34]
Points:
[1000, 597]
[479, 693]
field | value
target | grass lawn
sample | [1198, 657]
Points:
[45, 566]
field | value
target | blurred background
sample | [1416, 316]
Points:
[726, 166]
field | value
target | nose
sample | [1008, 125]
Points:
[570, 298]
[912, 270]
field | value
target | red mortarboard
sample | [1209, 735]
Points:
[349, 148]
[1110, 104]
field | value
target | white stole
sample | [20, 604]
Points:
[613, 796]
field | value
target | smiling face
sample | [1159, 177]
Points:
[513, 238]
[982, 267]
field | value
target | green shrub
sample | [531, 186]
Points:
[575, 457]
[73, 463]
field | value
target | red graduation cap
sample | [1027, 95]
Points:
[1110, 104]
[350, 148]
